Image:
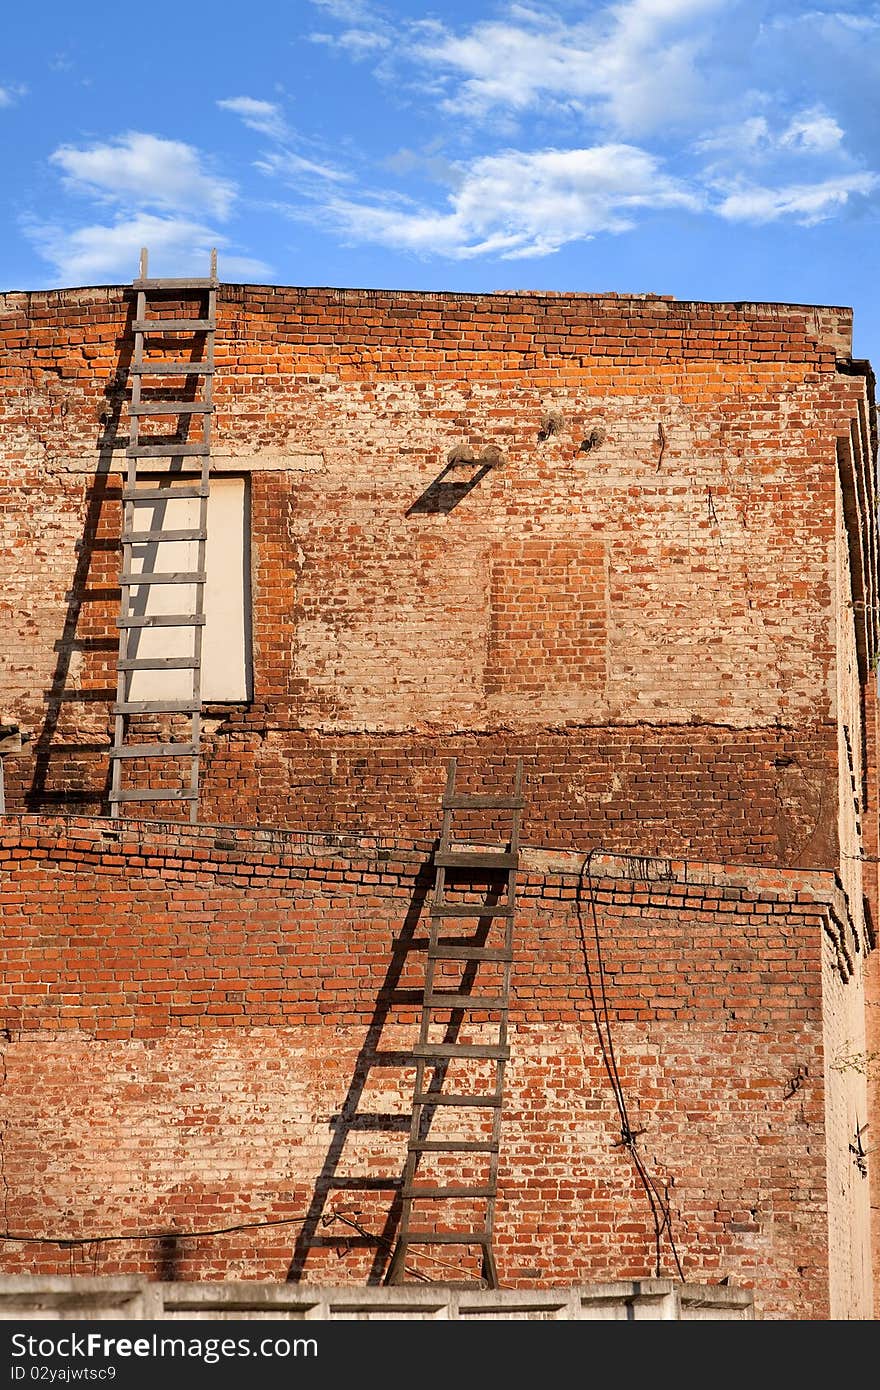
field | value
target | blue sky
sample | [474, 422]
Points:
[708, 149]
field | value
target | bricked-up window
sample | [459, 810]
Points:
[548, 628]
[226, 642]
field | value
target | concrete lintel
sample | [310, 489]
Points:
[65, 1298]
[135, 1298]
[289, 462]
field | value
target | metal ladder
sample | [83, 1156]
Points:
[154, 394]
[461, 875]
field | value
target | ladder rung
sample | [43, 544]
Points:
[464, 1001]
[159, 663]
[132, 581]
[493, 1053]
[165, 284]
[163, 494]
[170, 368]
[427, 1099]
[171, 408]
[432, 1194]
[441, 951]
[452, 1146]
[164, 620]
[157, 707]
[444, 1237]
[471, 910]
[464, 802]
[155, 750]
[156, 794]
[174, 325]
[474, 859]
[158, 451]
[144, 537]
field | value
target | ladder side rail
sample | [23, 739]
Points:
[487, 1191]
[490, 1271]
[130, 623]
[128, 508]
[198, 629]
[416, 1135]
[416, 1123]
[517, 810]
[395, 1268]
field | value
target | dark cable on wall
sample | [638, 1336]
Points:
[149, 1235]
[349, 1219]
[661, 1212]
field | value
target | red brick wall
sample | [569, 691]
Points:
[650, 617]
[566, 583]
[658, 623]
[200, 1037]
[749, 795]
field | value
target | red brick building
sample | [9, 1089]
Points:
[630, 540]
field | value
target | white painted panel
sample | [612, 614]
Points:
[226, 634]
[226, 650]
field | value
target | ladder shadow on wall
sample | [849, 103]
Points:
[342, 1225]
[85, 641]
[87, 649]
[444, 492]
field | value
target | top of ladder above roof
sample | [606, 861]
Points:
[144, 282]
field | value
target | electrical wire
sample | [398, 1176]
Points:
[348, 1219]
[661, 1212]
[659, 1202]
[149, 1235]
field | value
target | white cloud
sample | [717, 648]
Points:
[360, 43]
[348, 11]
[367, 30]
[145, 171]
[630, 84]
[518, 204]
[830, 54]
[630, 65]
[809, 132]
[108, 254]
[634, 65]
[748, 139]
[267, 118]
[427, 162]
[10, 95]
[286, 164]
[644, 71]
[373, 35]
[812, 132]
[263, 116]
[806, 203]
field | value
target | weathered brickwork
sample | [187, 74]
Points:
[763, 795]
[678, 514]
[201, 1037]
[630, 540]
[565, 581]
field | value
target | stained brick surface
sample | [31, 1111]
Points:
[204, 1037]
[669, 588]
[666, 604]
